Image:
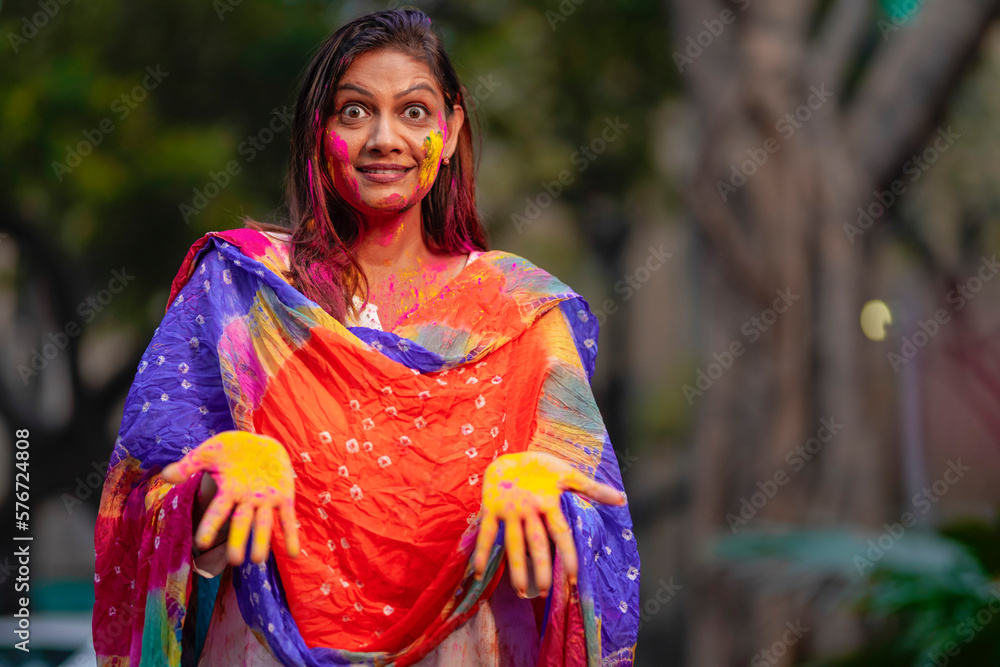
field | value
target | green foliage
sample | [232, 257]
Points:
[231, 64]
[929, 593]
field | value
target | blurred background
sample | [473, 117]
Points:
[785, 214]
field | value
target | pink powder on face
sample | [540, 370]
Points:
[339, 165]
[336, 145]
[443, 126]
[339, 161]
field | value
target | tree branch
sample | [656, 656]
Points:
[721, 225]
[908, 85]
[840, 37]
[62, 287]
[708, 76]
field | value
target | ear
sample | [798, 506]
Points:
[455, 122]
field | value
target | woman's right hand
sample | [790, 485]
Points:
[254, 477]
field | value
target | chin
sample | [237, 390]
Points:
[395, 203]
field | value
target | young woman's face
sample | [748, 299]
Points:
[388, 132]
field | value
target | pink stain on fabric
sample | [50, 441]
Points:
[250, 241]
[236, 344]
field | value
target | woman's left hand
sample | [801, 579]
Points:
[520, 489]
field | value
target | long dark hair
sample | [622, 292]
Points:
[325, 229]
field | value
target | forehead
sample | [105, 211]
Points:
[388, 71]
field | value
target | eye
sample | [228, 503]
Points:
[353, 112]
[416, 112]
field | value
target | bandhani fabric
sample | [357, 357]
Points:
[390, 434]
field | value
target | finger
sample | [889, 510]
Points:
[179, 471]
[514, 540]
[262, 524]
[563, 538]
[201, 457]
[488, 528]
[239, 533]
[216, 515]
[286, 511]
[592, 489]
[538, 547]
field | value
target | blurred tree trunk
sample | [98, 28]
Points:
[67, 419]
[773, 193]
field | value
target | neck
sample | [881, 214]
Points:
[392, 240]
[399, 264]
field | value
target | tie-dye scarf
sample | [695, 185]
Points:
[389, 434]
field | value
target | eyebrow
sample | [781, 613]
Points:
[368, 93]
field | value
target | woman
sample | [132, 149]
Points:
[423, 455]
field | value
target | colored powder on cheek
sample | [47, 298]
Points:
[336, 145]
[442, 125]
[433, 146]
[340, 158]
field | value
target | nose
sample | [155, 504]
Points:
[385, 138]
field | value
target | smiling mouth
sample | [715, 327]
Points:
[384, 174]
[384, 170]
